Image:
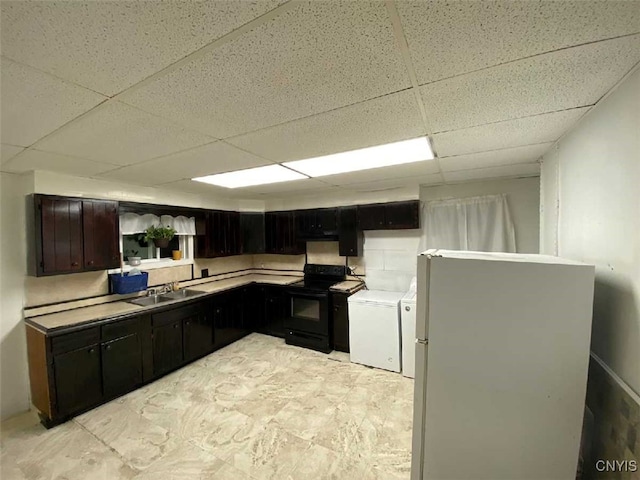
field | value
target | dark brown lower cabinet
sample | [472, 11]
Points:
[167, 347]
[276, 310]
[75, 370]
[197, 335]
[77, 378]
[340, 322]
[121, 365]
[229, 317]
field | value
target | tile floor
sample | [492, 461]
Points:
[257, 409]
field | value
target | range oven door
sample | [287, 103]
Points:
[308, 312]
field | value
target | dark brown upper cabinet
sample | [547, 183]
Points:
[319, 223]
[280, 229]
[371, 217]
[74, 235]
[218, 234]
[349, 237]
[100, 227]
[252, 233]
[389, 216]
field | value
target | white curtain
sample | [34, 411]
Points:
[131, 223]
[480, 224]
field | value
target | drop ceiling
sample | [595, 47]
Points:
[155, 93]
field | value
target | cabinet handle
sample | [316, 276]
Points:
[108, 347]
[92, 351]
[175, 325]
[187, 323]
[90, 262]
[74, 264]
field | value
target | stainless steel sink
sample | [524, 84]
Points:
[184, 293]
[150, 300]
[165, 297]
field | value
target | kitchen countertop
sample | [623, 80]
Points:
[348, 286]
[86, 315]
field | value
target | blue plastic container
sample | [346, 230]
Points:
[128, 284]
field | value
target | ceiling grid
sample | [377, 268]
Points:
[156, 94]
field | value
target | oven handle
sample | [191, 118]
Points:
[307, 295]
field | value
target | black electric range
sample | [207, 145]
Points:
[309, 321]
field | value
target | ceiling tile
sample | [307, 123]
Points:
[35, 103]
[449, 38]
[393, 184]
[543, 128]
[507, 156]
[208, 159]
[384, 173]
[382, 120]
[108, 46]
[523, 169]
[9, 151]
[119, 134]
[561, 80]
[315, 57]
[53, 162]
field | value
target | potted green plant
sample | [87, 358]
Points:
[134, 259]
[160, 235]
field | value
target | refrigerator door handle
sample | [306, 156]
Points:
[422, 341]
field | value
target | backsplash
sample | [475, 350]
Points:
[390, 258]
[74, 286]
[279, 262]
[217, 266]
[62, 288]
[615, 432]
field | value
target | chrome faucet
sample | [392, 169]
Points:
[167, 288]
[151, 291]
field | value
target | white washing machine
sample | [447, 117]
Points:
[374, 329]
[408, 322]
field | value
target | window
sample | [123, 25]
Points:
[132, 243]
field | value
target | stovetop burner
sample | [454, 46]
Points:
[321, 277]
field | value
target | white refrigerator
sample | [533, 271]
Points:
[502, 350]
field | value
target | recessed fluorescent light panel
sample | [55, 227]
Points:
[252, 176]
[397, 153]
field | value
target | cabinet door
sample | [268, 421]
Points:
[223, 329]
[348, 234]
[371, 217]
[101, 234]
[77, 379]
[276, 310]
[203, 241]
[121, 365]
[326, 220]
[59, 245]
[252, 233]
[232, 237]
[402, 215]
[167, 347]
[271, 233]
[340, 322]
[197, 335]
[304, 221]
[218, 229]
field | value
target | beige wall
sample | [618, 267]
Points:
[591, 212]
[523, 197]
[14, 380]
